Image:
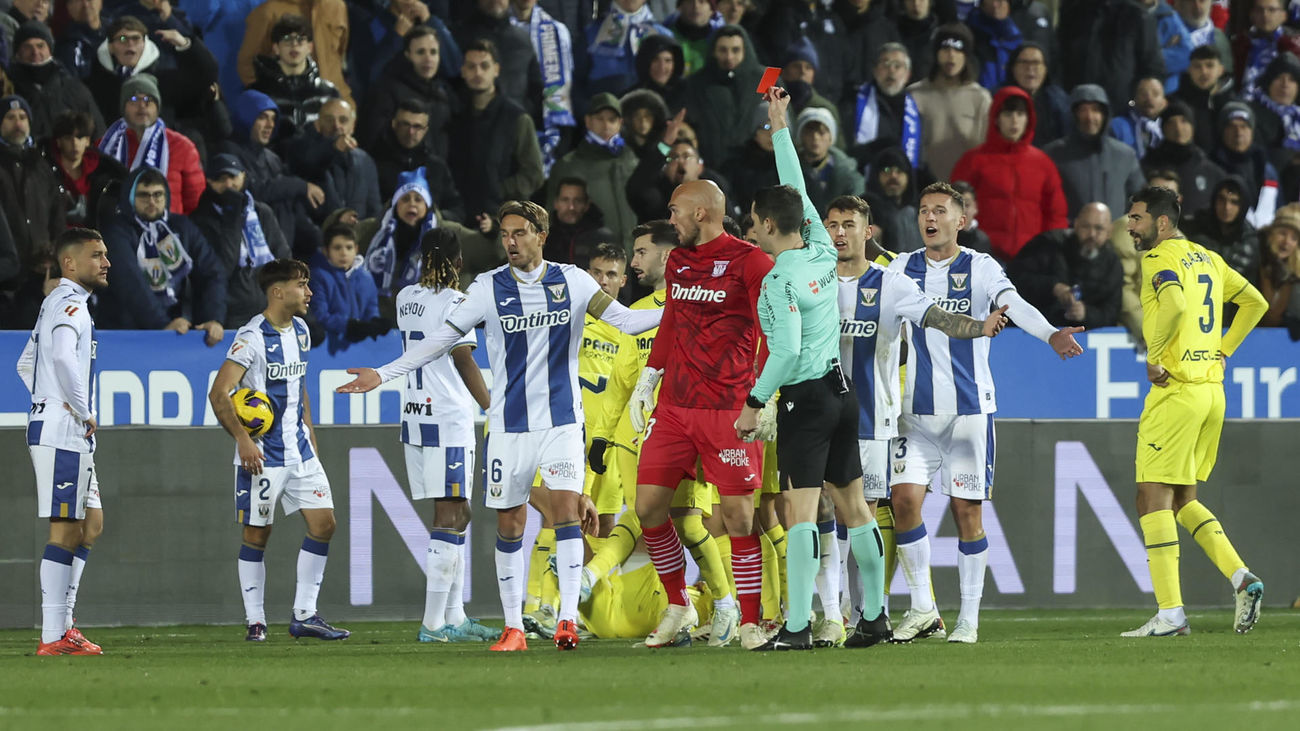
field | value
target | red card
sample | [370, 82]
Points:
[769, 79]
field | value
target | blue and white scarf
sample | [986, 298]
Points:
[162, 258]
[1290, 115]
[381, 255]
[554, 48]
[867, 123]
[614, 145]
[619, 30]
[153, 150]
[1263, 49]
[253, 249]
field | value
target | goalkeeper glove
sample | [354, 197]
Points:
[596, 455]
[643, 398]
[767, 422]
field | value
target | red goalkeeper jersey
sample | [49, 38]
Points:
[709, 336]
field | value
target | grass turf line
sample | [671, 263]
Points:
[1032, 669]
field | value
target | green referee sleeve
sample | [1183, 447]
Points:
[790, 171]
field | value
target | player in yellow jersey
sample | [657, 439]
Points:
[616, 445]
[600, 342]
[628, 604]
[1184, 287]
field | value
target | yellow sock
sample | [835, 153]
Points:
[1209, 535]
[777, 536]
[1160, 533]
[772, 590]
[550, 588]
[697, 539]
[723, 543]
[537, 565]
[615, 549]
[885, 519]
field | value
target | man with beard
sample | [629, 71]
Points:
[1198, 173]
[175, 272]
[1139, 125]
[891, 191]
[1094, 166]
[654, 180]
[882, 114]
[1070, 274]
[1238, 155]
[578, 224]
[406, 145]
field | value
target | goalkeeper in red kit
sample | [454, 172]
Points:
[704, 353]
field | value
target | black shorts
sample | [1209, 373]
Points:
[817, 432]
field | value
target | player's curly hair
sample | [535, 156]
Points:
[440, 260]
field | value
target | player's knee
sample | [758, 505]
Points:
[322, 526]
[453, 514]
[257, 535]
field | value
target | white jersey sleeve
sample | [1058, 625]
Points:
[62, 371]
[437, 410]
[474, 307]
[902, 300]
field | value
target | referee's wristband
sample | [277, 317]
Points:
[754, 403]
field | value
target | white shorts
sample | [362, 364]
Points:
[959, 448]
[514, 458]
[874, 454]
[439, 472]
[297, 487]
[65, 482]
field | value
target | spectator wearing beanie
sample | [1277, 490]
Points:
[140, 138]
[893, 197]
[39, 77]
[1094, 166]
[167, 275]
[19, 13]
[1277, 116]
[799, 74]
[1239, 155]
[243, 234]
[392, 243]
[29, 198]
[89, 179]
[1027, 69]
[1017, 184]
[659, 64]
[955, 108]
[1178, 153]
[828, 172]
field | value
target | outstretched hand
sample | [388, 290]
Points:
[1063, 342]
[778, 105]
[994, 323]
[367, 379]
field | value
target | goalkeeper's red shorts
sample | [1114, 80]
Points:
[676, 437]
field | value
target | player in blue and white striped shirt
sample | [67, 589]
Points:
[270, 355]
[58, 368]
[947, 421]
[874, 303]
[533, 313]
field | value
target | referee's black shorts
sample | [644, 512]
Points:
[817, 432]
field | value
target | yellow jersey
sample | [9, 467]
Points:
[1184, 330]
[633, 353]
[600, 345]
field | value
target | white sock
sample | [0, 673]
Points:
[510, 580]
[972, 557]
[1175, 616]
[440, 565]
[456, 594]
[78, 567]
[252, 583]
[914, 554]
[56, 575]
[568, 568]
[311, 571]
[1238, 576]
[828, 573]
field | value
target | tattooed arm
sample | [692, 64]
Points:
[965, 328]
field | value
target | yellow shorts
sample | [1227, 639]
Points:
[1178, 434]
[607, 490]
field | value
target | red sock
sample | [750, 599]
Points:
[747, 567]
[666, 552]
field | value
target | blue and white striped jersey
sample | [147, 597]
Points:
[437, 408]
[946, 375]
[275, 363]
[48, 422]
[873, 308]
[533, 331]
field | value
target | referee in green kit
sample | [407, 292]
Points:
[817, 412]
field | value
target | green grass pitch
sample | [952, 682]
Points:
[1032, 669]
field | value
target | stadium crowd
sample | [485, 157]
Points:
[206, 137]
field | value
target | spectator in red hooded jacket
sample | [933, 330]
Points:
[1017, 184]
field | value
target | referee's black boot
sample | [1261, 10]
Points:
[870, 632]
[784, 639]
